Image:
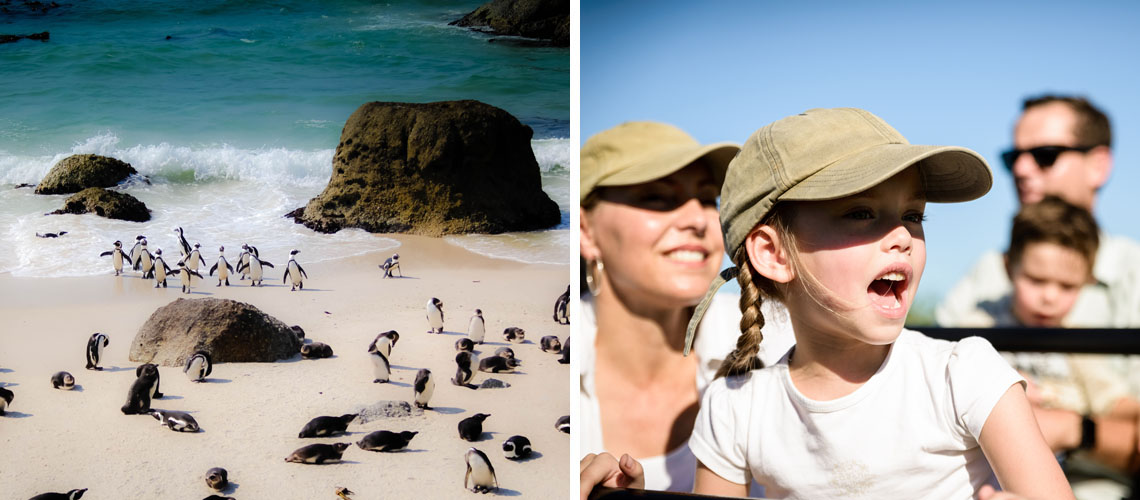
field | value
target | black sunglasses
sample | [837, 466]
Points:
[1045, 156]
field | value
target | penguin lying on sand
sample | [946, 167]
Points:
[71, 495]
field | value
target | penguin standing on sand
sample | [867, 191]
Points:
[146, 368]
[243, 262]
[295, 271]
[95, 346]
[464, 372]
[256, 268]
[135, 251]
[424, 386]
[138, 396]
[145, 261]
[117, 257]
[391, 263]
[222, 267]
[480, 473]
[195, 258]
[476, 330]
[161, 270]
[182, 243]
[184, 275]
[381, 369]
[562, 308]
[435, 315]
[198, 366]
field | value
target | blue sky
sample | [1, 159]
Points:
[940, 74]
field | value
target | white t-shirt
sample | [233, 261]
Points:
[909, 432]
[716, 337]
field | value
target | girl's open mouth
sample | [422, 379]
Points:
[888, 293]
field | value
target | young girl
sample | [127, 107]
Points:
[823, 211]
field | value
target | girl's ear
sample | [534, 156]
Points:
[767, 254]
[588, 250]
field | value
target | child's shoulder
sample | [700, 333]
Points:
[939, 354]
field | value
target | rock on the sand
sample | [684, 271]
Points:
[543, 19]
[432, 169]
[230, 331]
[104, 203]
[493, 383]
[386, 409]
[78, 172]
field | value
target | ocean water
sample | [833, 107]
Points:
[233, 110]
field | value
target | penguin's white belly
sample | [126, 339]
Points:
[117, 261]
[481, 475]
[435, 319]
[475, 331]
[294, 273]
[380, 368]
[160, 273]
[255, 270]
[192, 261]
[223, 273]
[197, 368]
[425, 396]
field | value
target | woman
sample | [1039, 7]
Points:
[651, 242]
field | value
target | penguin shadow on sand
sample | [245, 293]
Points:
[396, 383]
[115, 369]
[446, 410]
[506, 492]
[16, 414]
[5, 370]
[534, 455]
[445, 332]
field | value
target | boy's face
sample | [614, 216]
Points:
[1046, 283]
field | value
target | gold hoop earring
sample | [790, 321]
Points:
[593, 283]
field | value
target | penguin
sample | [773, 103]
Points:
[480, 472]
[161, 270]
[385, 342]
[514, 334]
[95, 346]
[195, 258]
[5, 399]
[435, 315]
[243, 262]
[324, 426]
[63, 380]
[563, 424]
[463, 373]
[182, 243]
[135, 251]
[562, 308]
[222, 267]
[198, 366]
[117, 257]
[299, 332]
[565, 359]
[154, 393]
[516, 447]
[295, 271]
[423, 387]
[185, 275]
[50, 235]
[256, 268]
[318, 453]
[217, 478]
[71, 495]
[392, 262]
[316, 350]
[471, 428]
[381, 368]
[386, 440]
[550, 343]
[138, 397]
[145, 261]
[498, 364]
[464, 345]
[475, 328]
[178, 421]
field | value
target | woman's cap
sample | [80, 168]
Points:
[637, 152]
[824, 154]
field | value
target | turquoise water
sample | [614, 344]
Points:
[234, 110]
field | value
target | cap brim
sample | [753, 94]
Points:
[949, 173]
[666, 163]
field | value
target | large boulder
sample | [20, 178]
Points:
[230, 331]
[432, 169]
[542, 19]
[78, 172]
[104, 203]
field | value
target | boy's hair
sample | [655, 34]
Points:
[1092, 127]
[1054, 220]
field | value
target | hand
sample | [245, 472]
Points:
[989, 493]
[604, 470]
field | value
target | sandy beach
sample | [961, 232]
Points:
[250, 413]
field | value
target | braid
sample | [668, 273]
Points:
[743, 359]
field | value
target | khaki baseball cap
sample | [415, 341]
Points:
[637, 152]
[825, 154]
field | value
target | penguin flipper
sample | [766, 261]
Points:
[285, 276]
[228, 266]
[109, 252]
[303, 273]
[267, 264]
[195, 273]
[213, 268]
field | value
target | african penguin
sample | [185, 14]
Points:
[63, 380]
[464, 373]
[471, 428]
[135, 252]
[318, 453]
[195, 258]
[514, 334]
[498, 364]
[563, 424]
[316, 350]
[464, 345]
[381, 368]
[516, 447]
[505, 352]
[326, 426]
[385, 342]
[294, 272]
[154, 392]
[222, 267]
[182, 243]
[198, 366]
[256, 268]
[391, 263]
[185, 276]
[243, 262]
[435, 315]
[5, 399]
[217, 478]
[95, 346]
[550, 343]
[161, 270]
[145, 261]
[562, 308]
[480, 473]
[386, 440]
[138, 397]
[117, 257]
[565, 359]
[475, 328]
[179, 421]
[424, 386]
[71, 495]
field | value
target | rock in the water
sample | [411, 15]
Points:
[78, 172]
[230, 331]
[543, 19]
[493, 383]
[104, 203]
[386, 409]
[432, 169]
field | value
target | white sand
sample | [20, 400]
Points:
[250, 413]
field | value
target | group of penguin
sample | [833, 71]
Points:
[152, 266]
